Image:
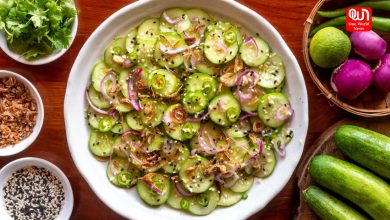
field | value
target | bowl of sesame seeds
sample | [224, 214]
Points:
[33, 188]
[21, 113]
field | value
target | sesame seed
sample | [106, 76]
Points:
[33, 193]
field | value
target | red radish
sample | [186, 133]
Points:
[368, 44]
[351, 78]
[382, 74]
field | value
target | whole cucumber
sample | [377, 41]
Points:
[368, 148]
[328, 207]
[359, 186]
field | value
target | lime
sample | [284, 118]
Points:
[329, 47]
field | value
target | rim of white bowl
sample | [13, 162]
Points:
[72, 77]
[43, 60]
[15, 165]
[25, 143]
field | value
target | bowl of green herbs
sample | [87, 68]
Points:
[37, 32]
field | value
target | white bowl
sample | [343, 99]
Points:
[126, 202]
[7, 170]
[25, 143]
[43, 60]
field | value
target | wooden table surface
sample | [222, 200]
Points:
[287, 17]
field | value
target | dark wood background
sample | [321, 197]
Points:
[288, 18]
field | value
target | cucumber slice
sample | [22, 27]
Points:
[145, 54]
[154, 143]
[215, 48]
[193, 176]
[204, 203]
[134, 121]
[243, 184]
[198, 16]
[237, 152]
[94, 118]
[163, 82]
[268, 163]
[117, 148]
[208, 68]
[276, 89]
[268, 107]
[99, 71]
[174, 199]
[272, 72]
[152, 112]
[202, 82]
[149, 196]
[228, 197]
[122, 173]
[170, 41]
[175, 13]
[122, 80]
[179, 131]
[97, 99]
[176, 160]
[214, 133]
[199, 19]
[239, 129]
[252, 55]
[252, 104]
[131, 42]
[100, 143]
[148, 31]
[224, 109]
[115, 54]
[194, 102]
[282, 136]
[123, 107]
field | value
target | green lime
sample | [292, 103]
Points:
[329, 47]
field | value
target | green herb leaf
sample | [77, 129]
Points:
[36, 28]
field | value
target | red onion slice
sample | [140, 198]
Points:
[170, 20]
[221, 178]
[284, 112]
[109, 77]
[204, 146]
[244, 97]
[220, 105]
[127, 63]
[248, 115]
[260, 143]
[96, 109]
[281, 151]
[153, 187]
[133, 93]
[252, 41]
[199, 118]
[167, 148]
[182, 191]
[223, 47]
[167, 51]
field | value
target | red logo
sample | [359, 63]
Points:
[358, 19]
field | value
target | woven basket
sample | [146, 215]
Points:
[371, 103]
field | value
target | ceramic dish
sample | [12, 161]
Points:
[25, 143]
[126, 202]
[43, 60]
[15, 165]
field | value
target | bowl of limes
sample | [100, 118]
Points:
[351, 68]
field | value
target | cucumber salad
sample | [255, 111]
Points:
[189, 109]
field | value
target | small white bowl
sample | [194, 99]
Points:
[7, 170]
[23, 144]
[43, 60]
